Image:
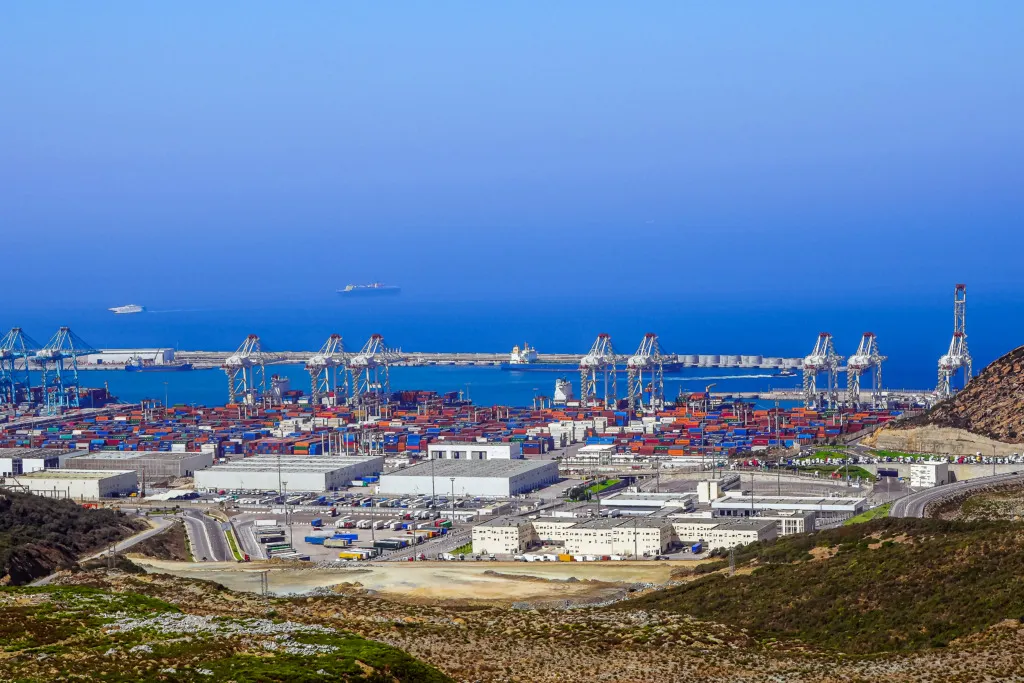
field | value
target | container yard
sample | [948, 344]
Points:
[415, 420]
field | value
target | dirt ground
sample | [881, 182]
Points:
[497, 581]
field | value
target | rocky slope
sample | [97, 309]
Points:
[992, 404]
[167, 545]
[39, 535]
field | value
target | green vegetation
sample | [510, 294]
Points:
[234, 546]
[899, 454]
[39, 535]
[885, 585]
[852, 470]
[873, 513]
[59, 633]
[602, 485]
[463, 549]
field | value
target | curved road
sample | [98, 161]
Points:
[914, 505]
[206, 535]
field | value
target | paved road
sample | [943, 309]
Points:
[206, 535]
[914, 505]
[432, 548]
[161, 525]
[246, 537]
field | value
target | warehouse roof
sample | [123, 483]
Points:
[294, 463]
[506, 522]
[33, 452]
[784, 501]
[131, 455]
[74, 474]
[473, 468]
[745, 525]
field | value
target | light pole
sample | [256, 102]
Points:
[165, 398]
[453, 500]
[287, 521]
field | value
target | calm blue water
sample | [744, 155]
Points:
[912, 333]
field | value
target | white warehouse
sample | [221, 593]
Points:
[474, 450]
[301, 473]
[486, 478]
[80, 484]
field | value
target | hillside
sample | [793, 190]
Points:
[992, 404]
[83, 633]
[882, 586]
[39, 535]
[478, 643]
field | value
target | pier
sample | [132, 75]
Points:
[214, 359]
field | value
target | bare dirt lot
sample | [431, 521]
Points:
[488, 581]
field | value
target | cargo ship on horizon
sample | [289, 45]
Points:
[372, 289]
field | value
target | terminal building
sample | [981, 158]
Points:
[503, 536]
[80, 484]
[928, 474]
[298, 473]
[484, 478]
[722, 533]
[151, 467]
[474, 450]
[17, 461]
[637, 537]
[738, 504]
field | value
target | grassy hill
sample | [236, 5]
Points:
[38, 535]
[66, 633]
[884, 585]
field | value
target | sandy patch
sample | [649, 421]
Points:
[501, 581]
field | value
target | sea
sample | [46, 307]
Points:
[913, 333]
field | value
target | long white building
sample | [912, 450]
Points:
[80, 484]
[737, 504]
[484, 478]
[300, 473]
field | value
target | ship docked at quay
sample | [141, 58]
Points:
[372, 289]
[525, 358]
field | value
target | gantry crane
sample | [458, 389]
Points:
[323, 371]
[59, 362]
[867, 357]
[371, 370]
[957, 356]
[645, 373]
[246, 371]
[15, 380]
[598, 363]
[823, 359]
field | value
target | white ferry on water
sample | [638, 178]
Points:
[124, 310]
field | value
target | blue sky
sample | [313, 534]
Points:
[177, 153]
